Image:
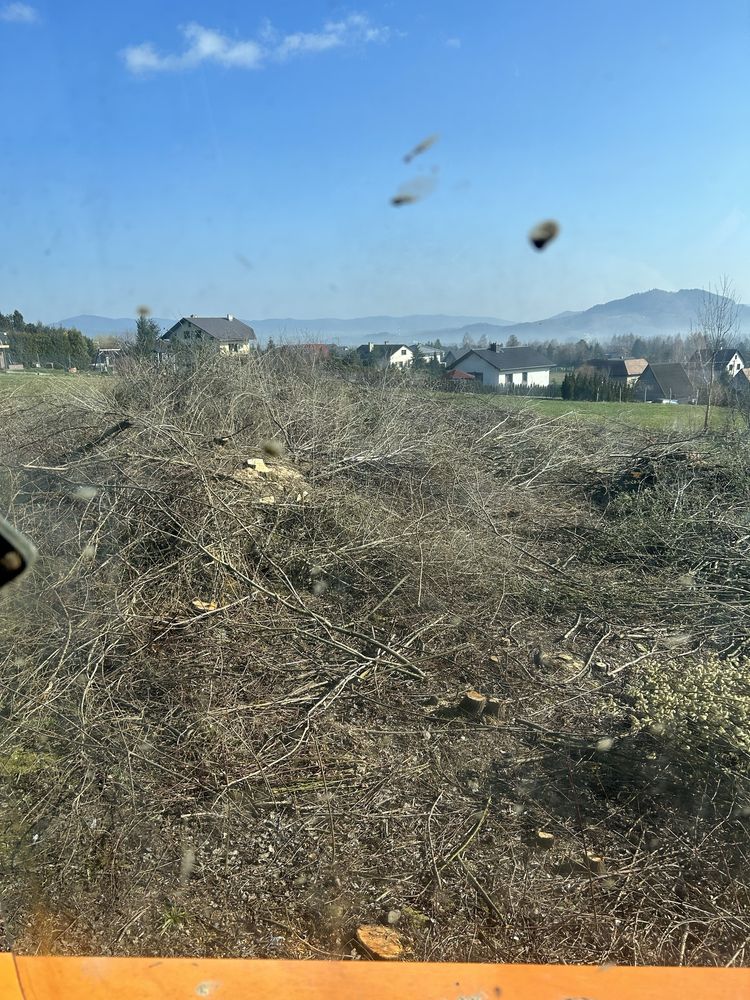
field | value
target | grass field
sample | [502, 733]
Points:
[647, 415]
[33, 382]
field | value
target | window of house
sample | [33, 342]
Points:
[525, 377]
[403, 350]
[234, 348]
[509, 378]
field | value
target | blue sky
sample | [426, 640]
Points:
[235, 156]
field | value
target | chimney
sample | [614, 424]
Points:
[493, 346]
[230, 317]
[370, 347]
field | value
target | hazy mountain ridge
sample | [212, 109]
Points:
[645, 314]
[329, 328]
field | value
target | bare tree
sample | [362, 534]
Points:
[719, 320]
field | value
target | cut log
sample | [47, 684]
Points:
[544, 841]
[381, 942]
[595, 864]
[472, 704]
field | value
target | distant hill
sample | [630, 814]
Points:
[645, 314]
[376, 328]
[95, 326]
[345, 330]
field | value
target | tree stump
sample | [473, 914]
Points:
[472, 704]
[595, 864]
[544, 841]
[380, 942]
[493, 708]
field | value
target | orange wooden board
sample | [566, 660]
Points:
[9, 985]
[236, 979]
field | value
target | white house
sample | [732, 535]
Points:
[385, 355]
[429, 353]
[727, 360]
[221, 334]
[505, 366]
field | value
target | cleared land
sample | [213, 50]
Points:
[235, 693]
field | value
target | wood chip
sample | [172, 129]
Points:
[381, 942]
[204, 605]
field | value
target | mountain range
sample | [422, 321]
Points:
[346, 330]
[644, 314]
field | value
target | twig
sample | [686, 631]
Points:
[429, 837]
[328, 798]
[477, 827]
[481, 890]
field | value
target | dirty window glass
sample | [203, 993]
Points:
[375, 392]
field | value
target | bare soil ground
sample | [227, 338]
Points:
[230, 691]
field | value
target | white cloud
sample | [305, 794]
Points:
[453, 43]
[207, 45]
[19, 13]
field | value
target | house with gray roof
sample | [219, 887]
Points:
[726, 361]
[625, 370]
[505, 367]
[216, 334]
[665, 383]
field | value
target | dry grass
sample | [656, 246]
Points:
[228, 719]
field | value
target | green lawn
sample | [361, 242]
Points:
[654, 416]
[31, 382]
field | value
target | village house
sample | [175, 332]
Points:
[665, 383]
[454, 354]
[624, 370]
[505, 367]
[428, 353]
[4, 348]
[217, 334]
[727, 361]
[385, 355]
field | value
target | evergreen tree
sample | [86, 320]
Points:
[146, 333]
[32, 343]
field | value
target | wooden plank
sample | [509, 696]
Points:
[236, 979]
